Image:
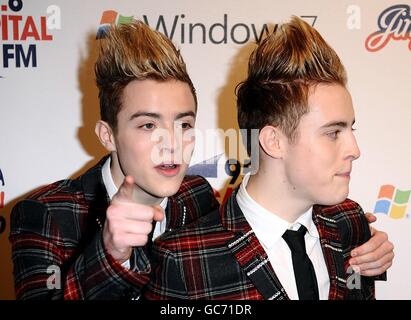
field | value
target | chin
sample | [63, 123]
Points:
[167, 191]
[333, 199]
[339, 200]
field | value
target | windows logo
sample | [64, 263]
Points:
[108, 18]
[392, 202]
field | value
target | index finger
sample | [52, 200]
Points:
[159, 214]
[126, 190]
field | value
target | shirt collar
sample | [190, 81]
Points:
[112, 188]
[306, 220]
[108, 179]
[267, 226]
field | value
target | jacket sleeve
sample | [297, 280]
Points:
[167, 281]
[49, 264]
[355, 231]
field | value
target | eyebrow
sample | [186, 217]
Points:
[145, 114]
[341, 124]
[185, 114]
[158, 116]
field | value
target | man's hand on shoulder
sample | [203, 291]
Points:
[376, 255]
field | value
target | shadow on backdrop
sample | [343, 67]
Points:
[227, 114]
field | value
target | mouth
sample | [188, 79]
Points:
[344, 174]
[168, 169]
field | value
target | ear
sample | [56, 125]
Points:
[105, 135]
[271, 141]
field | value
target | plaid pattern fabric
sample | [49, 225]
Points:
[56, 227]
[220, 257]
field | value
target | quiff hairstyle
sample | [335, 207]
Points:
[134, 51]
[281, 71]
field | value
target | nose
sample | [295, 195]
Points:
[353, 151]
[163, 145]
[169, 141]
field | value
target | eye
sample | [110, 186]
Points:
[147, 126]
[333, 134]
[186, 125]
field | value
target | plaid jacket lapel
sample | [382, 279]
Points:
[332, 249]
[193, 199]
[249, 252]
[96, 195]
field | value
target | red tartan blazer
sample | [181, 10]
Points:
[220, 257]
[56, 226]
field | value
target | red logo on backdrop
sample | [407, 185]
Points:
[394, 24]
[19, 33]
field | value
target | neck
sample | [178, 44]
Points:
[140, 196]
[271, 189]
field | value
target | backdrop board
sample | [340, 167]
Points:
[49, 105]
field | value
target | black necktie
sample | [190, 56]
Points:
[303, 268]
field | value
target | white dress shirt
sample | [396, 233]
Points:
[269, 228]
[112, 189]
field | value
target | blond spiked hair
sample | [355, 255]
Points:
[130, 52]
[281, 70]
